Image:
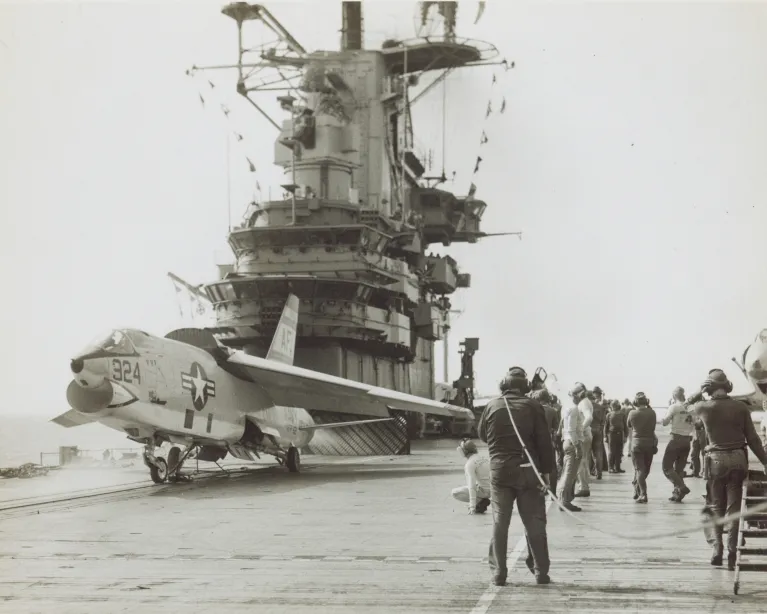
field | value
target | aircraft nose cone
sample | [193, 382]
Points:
[77, 365]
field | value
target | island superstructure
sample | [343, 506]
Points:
[351, 232]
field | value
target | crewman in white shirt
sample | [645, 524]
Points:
[477, 469]
[678, 448]
[572, 433]
[579, 394]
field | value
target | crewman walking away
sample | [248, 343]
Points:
[511, 425]
[597, 429]
[477, 470]
[678, 448]
[730, 429]
[642, 421]
[615, 435]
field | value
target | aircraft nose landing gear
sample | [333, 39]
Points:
[158, 468]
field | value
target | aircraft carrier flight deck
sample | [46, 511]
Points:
[376, 534]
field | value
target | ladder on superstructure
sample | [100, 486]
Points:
[751, 526]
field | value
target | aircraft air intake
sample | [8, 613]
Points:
[77, 365]
[89, 400]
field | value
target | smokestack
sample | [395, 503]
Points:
[351, 32]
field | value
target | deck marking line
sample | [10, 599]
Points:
[487, 598]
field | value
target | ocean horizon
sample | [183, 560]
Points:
[23, 438]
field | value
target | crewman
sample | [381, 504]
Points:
[580, 396]
[558, 435]
[627, 407]
[477, 470]
[615, 435]
[599, 417]
[698, 445]
[730, 429]
[642, 421]
[675, 455]
[552, 421]
[571, 427]
[517, 435]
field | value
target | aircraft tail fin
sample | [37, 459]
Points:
[283, 346]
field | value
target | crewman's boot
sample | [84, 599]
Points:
[716, 558]
[683, 492]
[731, 557]
[542, 579]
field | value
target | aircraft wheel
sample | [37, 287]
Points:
[173, 467]
[159, 472]
[293, 461]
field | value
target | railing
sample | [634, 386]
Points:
[72, 456]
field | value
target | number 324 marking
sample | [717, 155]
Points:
[124, 371]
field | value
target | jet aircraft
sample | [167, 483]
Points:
[214, 400]
[753, 365]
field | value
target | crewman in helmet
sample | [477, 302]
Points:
[675, 455]
[477, 470]
[514, 426]
[615, 432]
[641, 421]
[552, 421]
[597, 459]
[558, 435]
[730, 430]
[580, 395]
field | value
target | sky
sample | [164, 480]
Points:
[631, 155]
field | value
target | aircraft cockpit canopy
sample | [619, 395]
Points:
[116, 342]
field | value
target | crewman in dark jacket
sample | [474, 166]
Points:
[598, 456]
[512, 477]
[615, 436]
[641, 421]
[730, 430]
[552, 422]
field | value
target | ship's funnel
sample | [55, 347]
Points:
[351, 32]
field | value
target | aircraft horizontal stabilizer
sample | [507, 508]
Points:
[73, 418]
[292, 386]
[338, 425]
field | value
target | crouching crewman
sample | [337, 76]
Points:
[477, 469]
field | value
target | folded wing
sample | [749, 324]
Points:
[292, 386]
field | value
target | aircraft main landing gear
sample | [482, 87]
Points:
[175, 461]
[293, 460]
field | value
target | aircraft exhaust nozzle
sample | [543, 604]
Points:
[89, 400]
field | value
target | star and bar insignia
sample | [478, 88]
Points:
[197, 382]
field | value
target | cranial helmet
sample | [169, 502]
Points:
[577, 391]
[616, 404]
[515, 379]
[641, 399]
[542, 396]
[716, 380]
[468, 447]
[597, 391]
